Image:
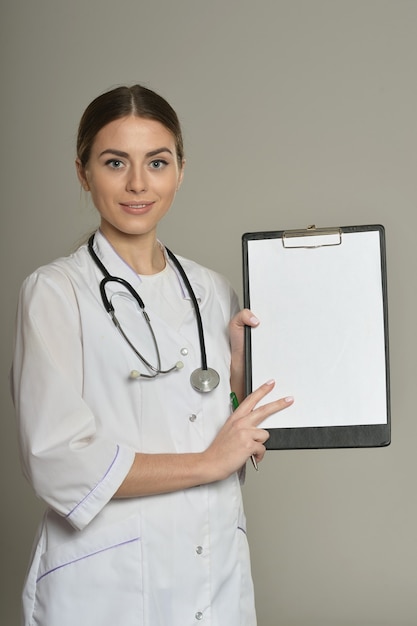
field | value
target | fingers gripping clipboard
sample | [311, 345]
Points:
[321, 297]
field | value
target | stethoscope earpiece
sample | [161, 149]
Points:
[203, 379]
[135, 374]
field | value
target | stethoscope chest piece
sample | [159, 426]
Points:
[204, 380]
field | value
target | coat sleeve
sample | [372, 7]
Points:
[72, 467]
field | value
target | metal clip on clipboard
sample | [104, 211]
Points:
[312, 237]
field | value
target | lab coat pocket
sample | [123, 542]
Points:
[241, 524]
[247, 611]
[93, 579]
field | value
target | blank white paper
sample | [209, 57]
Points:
[321, 335]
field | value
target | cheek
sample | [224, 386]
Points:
[99, 189]
[171, 187]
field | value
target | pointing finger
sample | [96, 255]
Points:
[259, 414]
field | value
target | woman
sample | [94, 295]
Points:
[136, 457]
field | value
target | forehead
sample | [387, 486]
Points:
[134, 133]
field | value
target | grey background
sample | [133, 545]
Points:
[294, 112]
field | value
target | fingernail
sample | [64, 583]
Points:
[289, 399]
[270, 382]
[254, 320]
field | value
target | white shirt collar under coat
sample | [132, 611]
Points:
[117, 266]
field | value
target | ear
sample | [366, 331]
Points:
[181, 174]
[81, 173]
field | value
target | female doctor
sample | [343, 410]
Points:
[124, 361]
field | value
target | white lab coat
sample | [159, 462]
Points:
[170, 560]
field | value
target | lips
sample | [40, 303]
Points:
[136, 207]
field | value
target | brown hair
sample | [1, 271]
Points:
[121, 102]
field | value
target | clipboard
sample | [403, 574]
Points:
[321, 297]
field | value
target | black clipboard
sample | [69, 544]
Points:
[321, 297]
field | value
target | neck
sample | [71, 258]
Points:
[142, 253]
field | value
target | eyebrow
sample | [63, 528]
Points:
[125, 155]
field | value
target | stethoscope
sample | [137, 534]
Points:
[202, 379]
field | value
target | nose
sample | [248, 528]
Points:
[136, 180]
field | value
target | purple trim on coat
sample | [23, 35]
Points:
[95, 487]
[87, 556]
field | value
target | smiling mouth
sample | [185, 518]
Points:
[136, 206]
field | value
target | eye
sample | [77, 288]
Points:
[158, 164]
[115, 164]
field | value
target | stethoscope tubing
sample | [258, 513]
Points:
[196, 308]
[204, 379]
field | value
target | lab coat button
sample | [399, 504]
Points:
[199, 549]
[192, 417]
[184, 351]
[199, 615]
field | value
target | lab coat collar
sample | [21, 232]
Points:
[117, 266]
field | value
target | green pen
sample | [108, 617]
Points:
[235, 404]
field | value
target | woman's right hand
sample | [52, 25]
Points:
[240, 437]
[236, 441]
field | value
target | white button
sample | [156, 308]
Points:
[199, 549]
[199, 615]
[184, 351]
[192, 417]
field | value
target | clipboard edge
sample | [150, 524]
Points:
[330, 437]
[361, 436]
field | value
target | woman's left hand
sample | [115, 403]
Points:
[237, 324]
